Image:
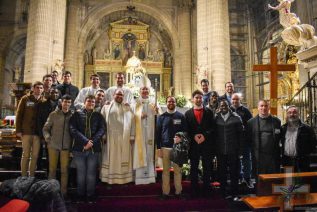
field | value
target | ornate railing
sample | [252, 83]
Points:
[305, 100]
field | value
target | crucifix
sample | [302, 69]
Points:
[274, 68]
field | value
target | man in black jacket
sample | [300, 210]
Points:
[67, 88]
[246, 162]
[298, 141]
[44, 109]
[87, 128]
[264, 134]
[229, 87]
[229, 145]
[200, 123]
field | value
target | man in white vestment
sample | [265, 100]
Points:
[116, 167]
[128, 96]
[84, 92]
[143, 152]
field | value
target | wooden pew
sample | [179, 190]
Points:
[273, 202]
[265, 181]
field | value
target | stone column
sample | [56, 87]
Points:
[71, 51]
[45, 37]
[213, 41]
[183, 63]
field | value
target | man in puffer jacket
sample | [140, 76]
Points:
[87, 128]
[56, 134]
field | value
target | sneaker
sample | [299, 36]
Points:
[237, 199]
[248, 183]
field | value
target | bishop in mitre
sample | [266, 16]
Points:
[116, 167]
[145, 110]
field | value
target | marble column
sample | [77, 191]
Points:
[71, 51]
[213, 41]
[183, 63]
[45, 37]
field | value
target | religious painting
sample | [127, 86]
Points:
[104, 80]
[154, 77]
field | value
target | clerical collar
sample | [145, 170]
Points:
[171, 111]
[264, 117]
[205, 93]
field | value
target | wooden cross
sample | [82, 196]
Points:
[274, 68]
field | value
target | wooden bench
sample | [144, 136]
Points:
[274, 202]
[265, 181]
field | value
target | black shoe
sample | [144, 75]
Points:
[79, 199]
[180, 196]
[91, 199]
[164, 197]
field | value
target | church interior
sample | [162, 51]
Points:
[178, 42]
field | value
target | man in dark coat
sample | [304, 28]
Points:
[298, 142]
[229, 87]
[67, 88]
[229, 145]
[200, 125]
[87, 128]
[246, 162]
[264, 133]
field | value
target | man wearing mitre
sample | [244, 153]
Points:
[144, 109]
[116, 167]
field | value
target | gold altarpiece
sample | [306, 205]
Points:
[127, 36]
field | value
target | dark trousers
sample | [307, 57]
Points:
[246, 164]
[86, 164]
[232, 162]
[300, 164]
[206, 156]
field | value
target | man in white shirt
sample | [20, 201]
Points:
[91, 90]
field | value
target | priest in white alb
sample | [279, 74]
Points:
[145, 110]
[128, 96]
[116, 167]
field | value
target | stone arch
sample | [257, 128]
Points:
[103, 9]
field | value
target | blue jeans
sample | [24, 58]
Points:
[246, 164]
[86, 164]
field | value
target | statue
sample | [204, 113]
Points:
[141, 52]
[116, 52]
[201, 73]
[59, 66]
[287, 18]
[107, 54]
[294, 33]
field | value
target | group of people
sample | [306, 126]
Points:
[110, 131]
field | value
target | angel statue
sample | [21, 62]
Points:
[294, 32]
[287, 18]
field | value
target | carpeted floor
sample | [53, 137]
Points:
[147, 198]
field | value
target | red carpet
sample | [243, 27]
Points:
[146, 198]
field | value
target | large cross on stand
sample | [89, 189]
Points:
[274, 68]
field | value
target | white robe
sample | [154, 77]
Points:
[116, 167]
[127, 98]
[143, 151]
[80, 99]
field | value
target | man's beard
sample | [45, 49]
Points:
[293, 121]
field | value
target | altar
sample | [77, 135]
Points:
[125, 37]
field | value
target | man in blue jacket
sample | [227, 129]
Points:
[87, 128]
[168, 124]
